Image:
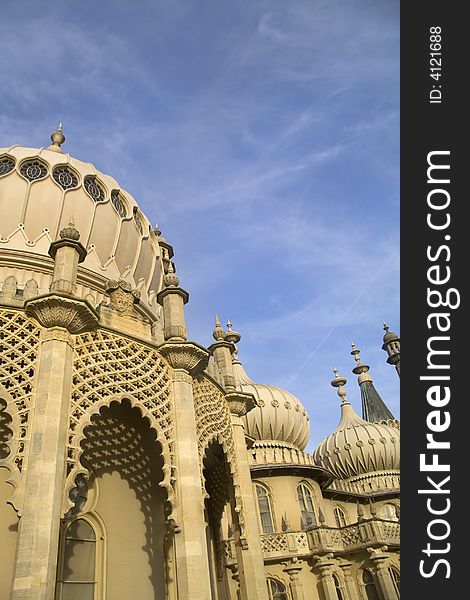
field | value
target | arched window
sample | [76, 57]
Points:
[339, 593]
[395, 575]
[307, 510]
[277, 590]
[389, 512]
[340, 517]
[264, 509]
[76, 572]
[369, 585]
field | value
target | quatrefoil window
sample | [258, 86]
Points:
[7, 164]
[65, 177]
[118, 203]
[94, 189]
[33, 170]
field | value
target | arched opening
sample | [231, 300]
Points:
[369, 585]
[124, 460]
[307, 510]
[77, 573]
[338, 590]
[389, 512]
[8, 517]
[340, 517]
[264, 507]
[218, 484]
[395, 575]
[276, 590]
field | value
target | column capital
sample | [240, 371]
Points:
[62, 310]
[187, 356]
[240, 402]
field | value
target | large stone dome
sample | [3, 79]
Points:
[42, 190]
[358, 447]
[279, 417]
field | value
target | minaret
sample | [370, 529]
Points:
[374, 408]
[391, 346]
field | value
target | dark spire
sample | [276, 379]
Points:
[374, 408]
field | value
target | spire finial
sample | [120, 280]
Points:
[57, 138]
[356, 353]
[386, 327]
[339, 382]
[218, 333]
[360, 369]
[171, 279]
[232, 336]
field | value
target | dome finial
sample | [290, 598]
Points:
[232, 336]
[57, 138]
[339, 382]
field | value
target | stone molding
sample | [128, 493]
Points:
[57, 334]
[54, 310]
[187, 356]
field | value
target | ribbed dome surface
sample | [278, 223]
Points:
[41, 191]
[357, 447]
[280, 416]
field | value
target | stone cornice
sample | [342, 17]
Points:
[185, 355]
[60, 310]
[173, 290]
[221, 344]
[79, 248]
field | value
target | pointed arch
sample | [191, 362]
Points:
[79, 435]
[11, 440]
[213, 424]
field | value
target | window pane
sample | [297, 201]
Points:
[77, 591]
[81, 530]
[79, 561]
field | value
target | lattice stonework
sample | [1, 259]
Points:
[109, 367]
[19, 342]
[213, 423]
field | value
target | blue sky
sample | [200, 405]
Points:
[263, 136]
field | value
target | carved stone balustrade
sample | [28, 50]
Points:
[323, 540]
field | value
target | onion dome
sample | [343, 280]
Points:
[358, 448]
[279, 417]
[42, 190]
[391, 345]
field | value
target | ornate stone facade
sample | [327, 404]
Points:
[137, 463]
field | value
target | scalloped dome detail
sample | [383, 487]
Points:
[358, 447]
[42, 190]
[279, 417]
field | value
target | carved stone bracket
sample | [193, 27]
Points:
[240, 402]
[187, 356]
[54, 310]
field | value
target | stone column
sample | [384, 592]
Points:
[378, 556]
[173, 299]
[248, 545]
[61, 315]
[192, 563]
[293, 569]
[352, 592]
[325, 569]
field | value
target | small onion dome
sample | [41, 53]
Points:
[279, 416]
[358, 447]
[218, 333]
[390, 336]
